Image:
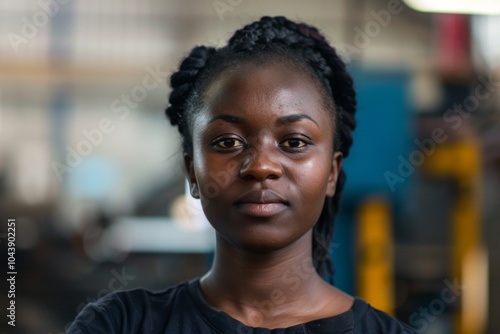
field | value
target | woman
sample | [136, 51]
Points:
[265, 123]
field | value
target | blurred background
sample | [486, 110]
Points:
[91, 171]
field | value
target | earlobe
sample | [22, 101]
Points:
[334, 173]
[193, 185]
[194, 191]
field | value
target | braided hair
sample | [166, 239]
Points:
[288, 41]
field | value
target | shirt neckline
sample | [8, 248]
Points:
[224, 323]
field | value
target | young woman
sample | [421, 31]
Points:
[265, 123]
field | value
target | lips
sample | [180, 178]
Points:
[261, 203]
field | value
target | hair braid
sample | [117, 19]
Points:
[343, 93]
[182, 83]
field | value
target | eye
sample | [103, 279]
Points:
[228, 143]
[294, 143]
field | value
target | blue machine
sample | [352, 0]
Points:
[383, 134]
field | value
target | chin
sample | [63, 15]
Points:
[261, 247]
[262, 242]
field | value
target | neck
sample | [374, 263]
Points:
[243, 283]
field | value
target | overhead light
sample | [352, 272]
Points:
[473, 7]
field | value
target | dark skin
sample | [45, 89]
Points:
[262, 164]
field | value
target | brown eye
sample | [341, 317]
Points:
[294, 143]
[229, 143]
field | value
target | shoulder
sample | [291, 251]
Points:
[369, 320]
[126, 311]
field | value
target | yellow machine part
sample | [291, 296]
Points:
[461, 161]
[375, 269]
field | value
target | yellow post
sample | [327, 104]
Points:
[461, 161]
[375, 270]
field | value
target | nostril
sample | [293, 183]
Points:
[261, 165]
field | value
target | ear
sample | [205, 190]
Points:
[334, 173]
[193, 185]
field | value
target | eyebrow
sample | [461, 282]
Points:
[228, 118]
[283, 120]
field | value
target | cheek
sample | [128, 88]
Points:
[313, 177]
[312, 184]
[202, 168]
[214, 173]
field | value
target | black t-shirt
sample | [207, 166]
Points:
[182, 310]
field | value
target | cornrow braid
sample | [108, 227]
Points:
[182, 83]
[302, 44]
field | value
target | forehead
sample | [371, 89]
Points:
[265, 88]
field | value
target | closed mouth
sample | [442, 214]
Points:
[265, 196]
[261, 203]
[261, 209]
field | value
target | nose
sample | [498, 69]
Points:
[261, 164]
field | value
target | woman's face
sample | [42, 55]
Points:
[263, 157]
